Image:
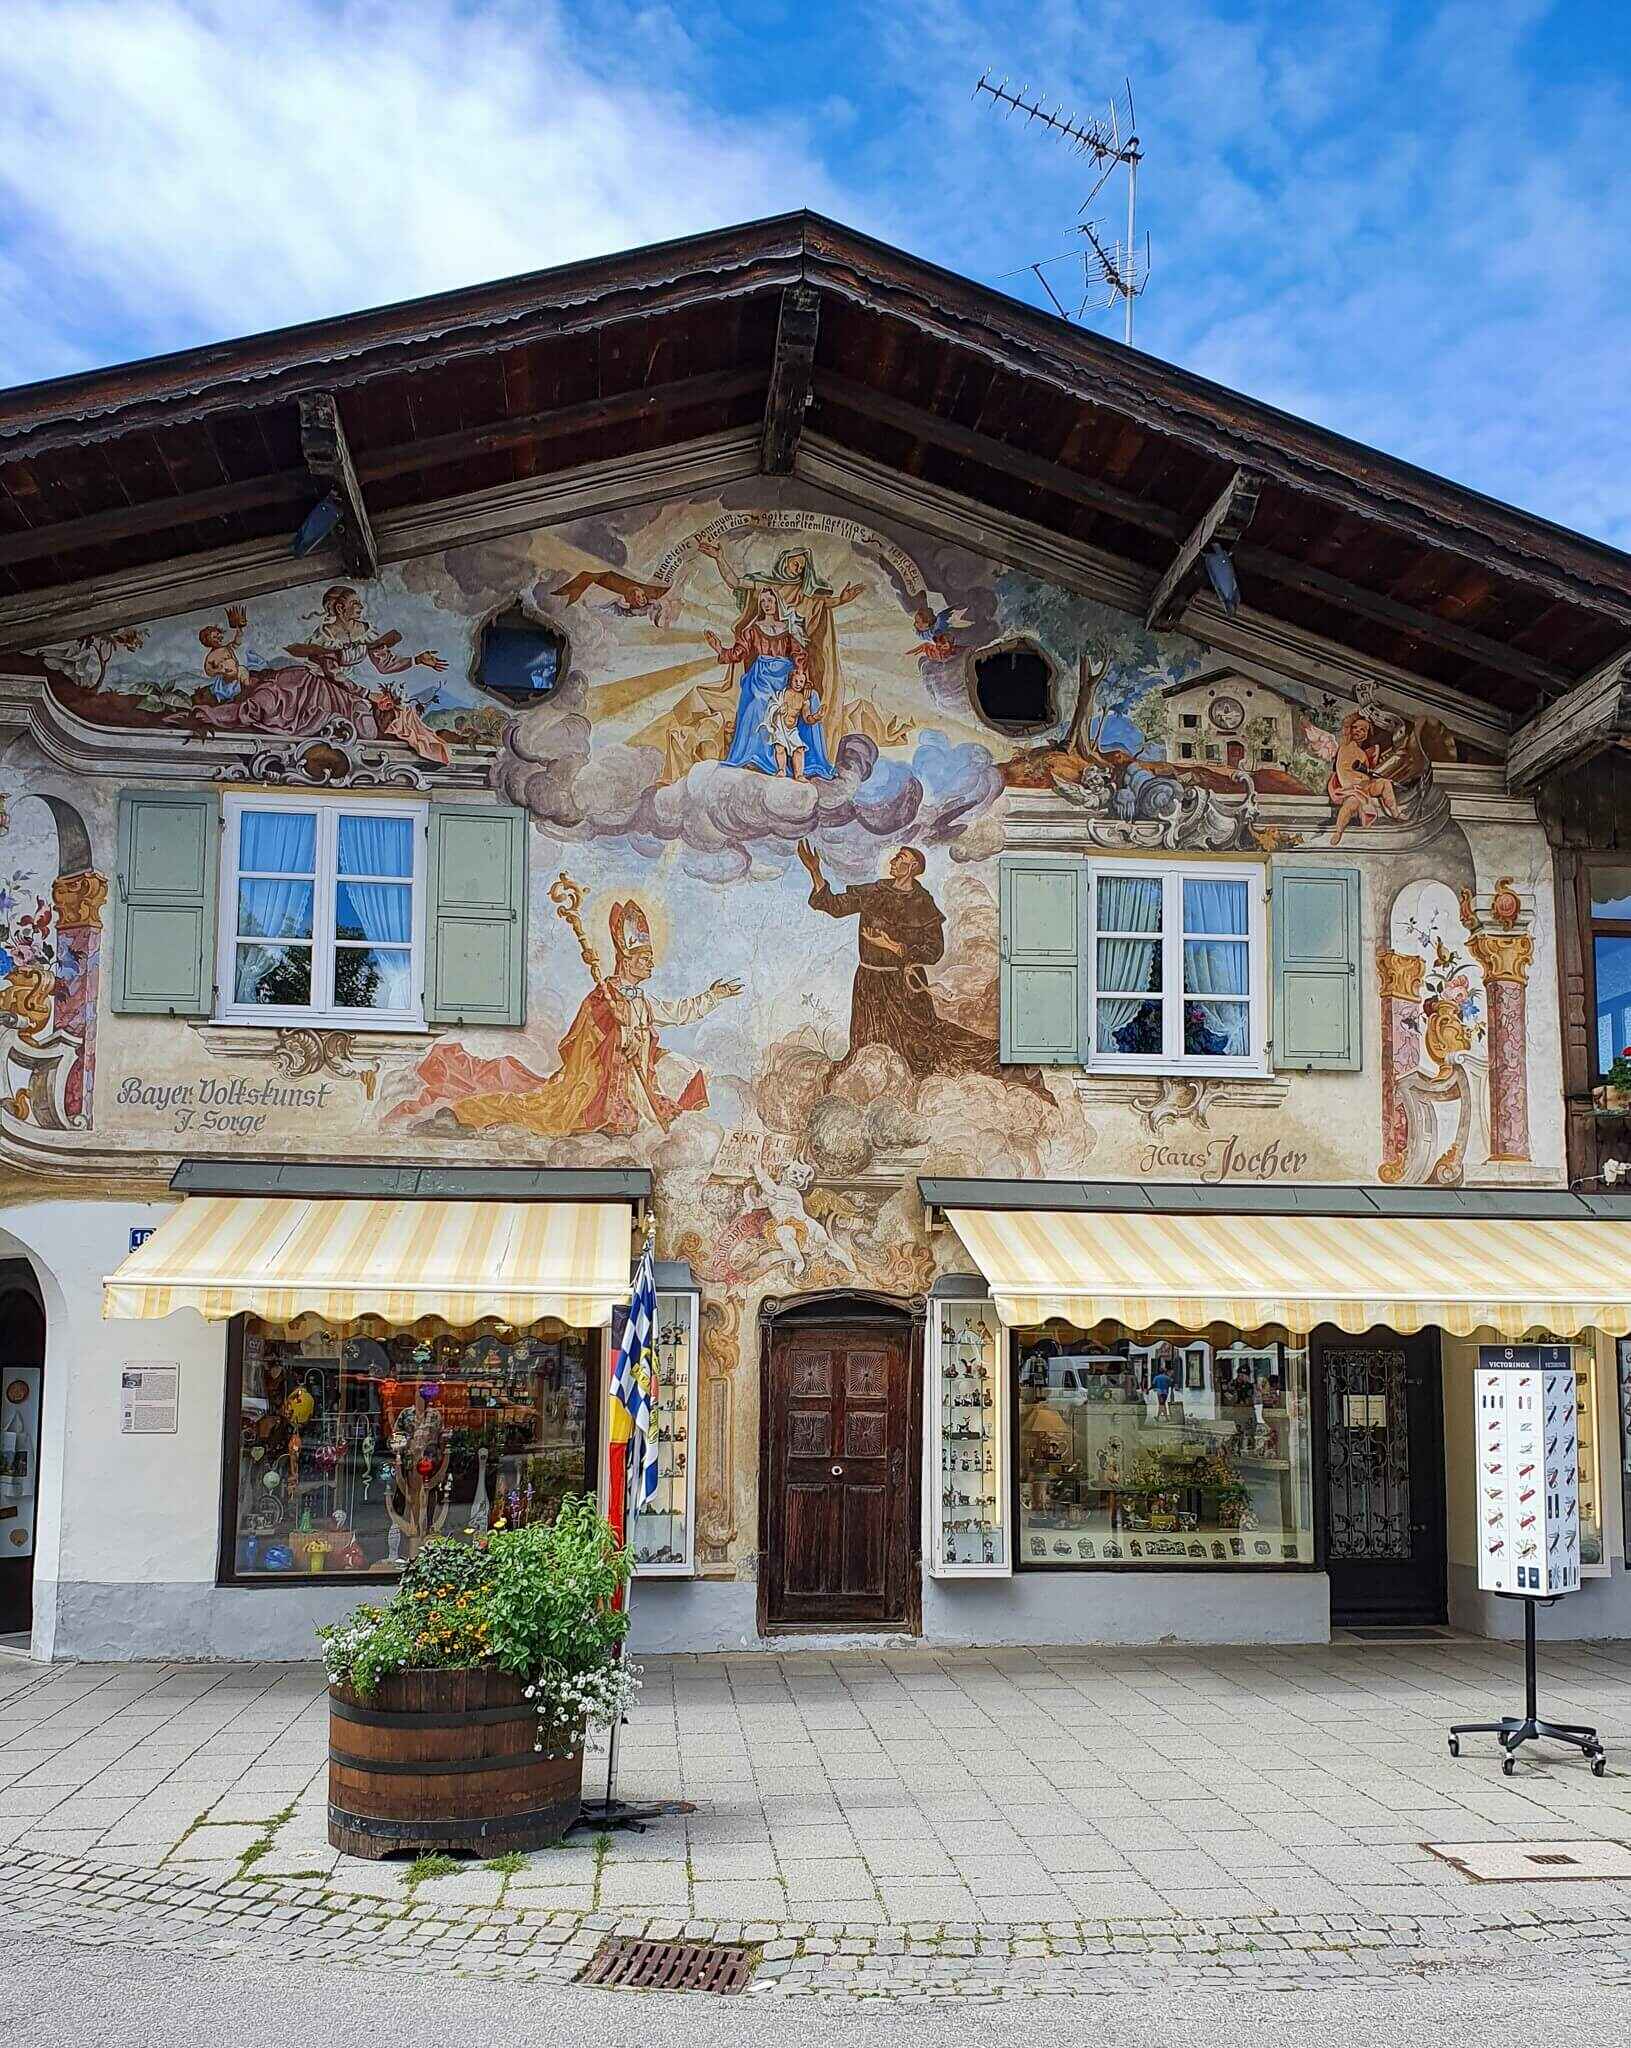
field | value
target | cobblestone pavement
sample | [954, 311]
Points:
[915, 1825]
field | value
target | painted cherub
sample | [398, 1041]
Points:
[225, 671]
[790, 1223]
[1358, 791]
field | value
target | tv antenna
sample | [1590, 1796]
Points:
[1114, 267]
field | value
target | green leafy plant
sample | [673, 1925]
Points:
[539, 1603]
[1619, 1072]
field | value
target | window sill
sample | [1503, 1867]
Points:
[356, 1024]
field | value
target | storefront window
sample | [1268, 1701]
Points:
[1610, 934]
[348, 1447]
[1169, 1448]
[1591, 1505]
[1622, 1354]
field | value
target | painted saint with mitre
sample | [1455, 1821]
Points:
[616, 1076]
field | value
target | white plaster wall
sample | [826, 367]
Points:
[114, 1511]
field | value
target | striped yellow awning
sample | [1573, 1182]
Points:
[460, 1262]
[1459, 1274]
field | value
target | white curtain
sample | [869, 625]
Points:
[379, 911]
[1218, 965]
[1125, 904]
[276, 905]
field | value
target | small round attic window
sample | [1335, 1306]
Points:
[1013, 688]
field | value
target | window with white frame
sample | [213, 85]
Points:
[1176, 967]
[322, 911]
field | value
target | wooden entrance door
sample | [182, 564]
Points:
[1383, 1469]
[837, 1471]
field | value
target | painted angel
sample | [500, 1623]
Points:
[1360, 792]
[631, 599]
[938, 630]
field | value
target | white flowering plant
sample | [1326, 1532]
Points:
[541, 1602]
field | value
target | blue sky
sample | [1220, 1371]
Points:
[1409, 222]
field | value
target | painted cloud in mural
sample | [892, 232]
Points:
[726, 819]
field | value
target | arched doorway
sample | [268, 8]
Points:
[22, 1378]
[840, 1434]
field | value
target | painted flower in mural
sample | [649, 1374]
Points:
[25, 936]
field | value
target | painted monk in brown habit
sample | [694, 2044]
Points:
[903, 931]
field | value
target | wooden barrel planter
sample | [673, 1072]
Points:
[444, 1760]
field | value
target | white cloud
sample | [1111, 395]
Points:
[178, 172]
[1397, 220]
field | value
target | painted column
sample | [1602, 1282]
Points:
[1505, 958]
[79, 900]
[1401, 976]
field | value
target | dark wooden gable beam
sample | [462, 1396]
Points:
[987, 450]
[1078, 489]
[1219, 526]
[1595, 715]
[126, 522]
[328, 457]
[1381, 610]
[293, 487]
[790, 378]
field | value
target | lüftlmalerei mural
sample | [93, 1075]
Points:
[765, 807]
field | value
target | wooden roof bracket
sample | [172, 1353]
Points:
[1219, 526]
[792, 378]
[1593, 716]
[328, 457]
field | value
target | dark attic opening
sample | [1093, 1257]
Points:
[520, 659]
[1013, 688]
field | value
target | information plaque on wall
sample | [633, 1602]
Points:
[1528, 1470]
[149, 1399]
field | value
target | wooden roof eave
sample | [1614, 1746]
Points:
[255, 373]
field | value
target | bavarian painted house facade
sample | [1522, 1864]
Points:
[803, 855]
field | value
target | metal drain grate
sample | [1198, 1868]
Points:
[1537, 1862]
[630, 1965]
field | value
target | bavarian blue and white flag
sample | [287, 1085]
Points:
[634, 1381]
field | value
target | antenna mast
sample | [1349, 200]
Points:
[1114, 267]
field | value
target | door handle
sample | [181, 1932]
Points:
[897, 1468]
[838, 1471]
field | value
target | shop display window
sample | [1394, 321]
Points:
[966, 1441]
[1169, 1448]
[346, 1448]
[660, 1530]
[1591, 1496]
[1622, 1355]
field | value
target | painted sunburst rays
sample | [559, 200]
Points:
[631, 692]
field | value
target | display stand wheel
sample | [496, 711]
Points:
[1514, 1730]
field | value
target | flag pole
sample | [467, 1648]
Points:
[611, 1812]
[625, 1520]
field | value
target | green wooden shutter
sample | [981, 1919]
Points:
[1042, 905]
[476, 959]
[164, 908]
[1315, 912]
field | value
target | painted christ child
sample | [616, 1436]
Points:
[778, 709]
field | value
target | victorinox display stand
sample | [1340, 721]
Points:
[1528, 1515]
